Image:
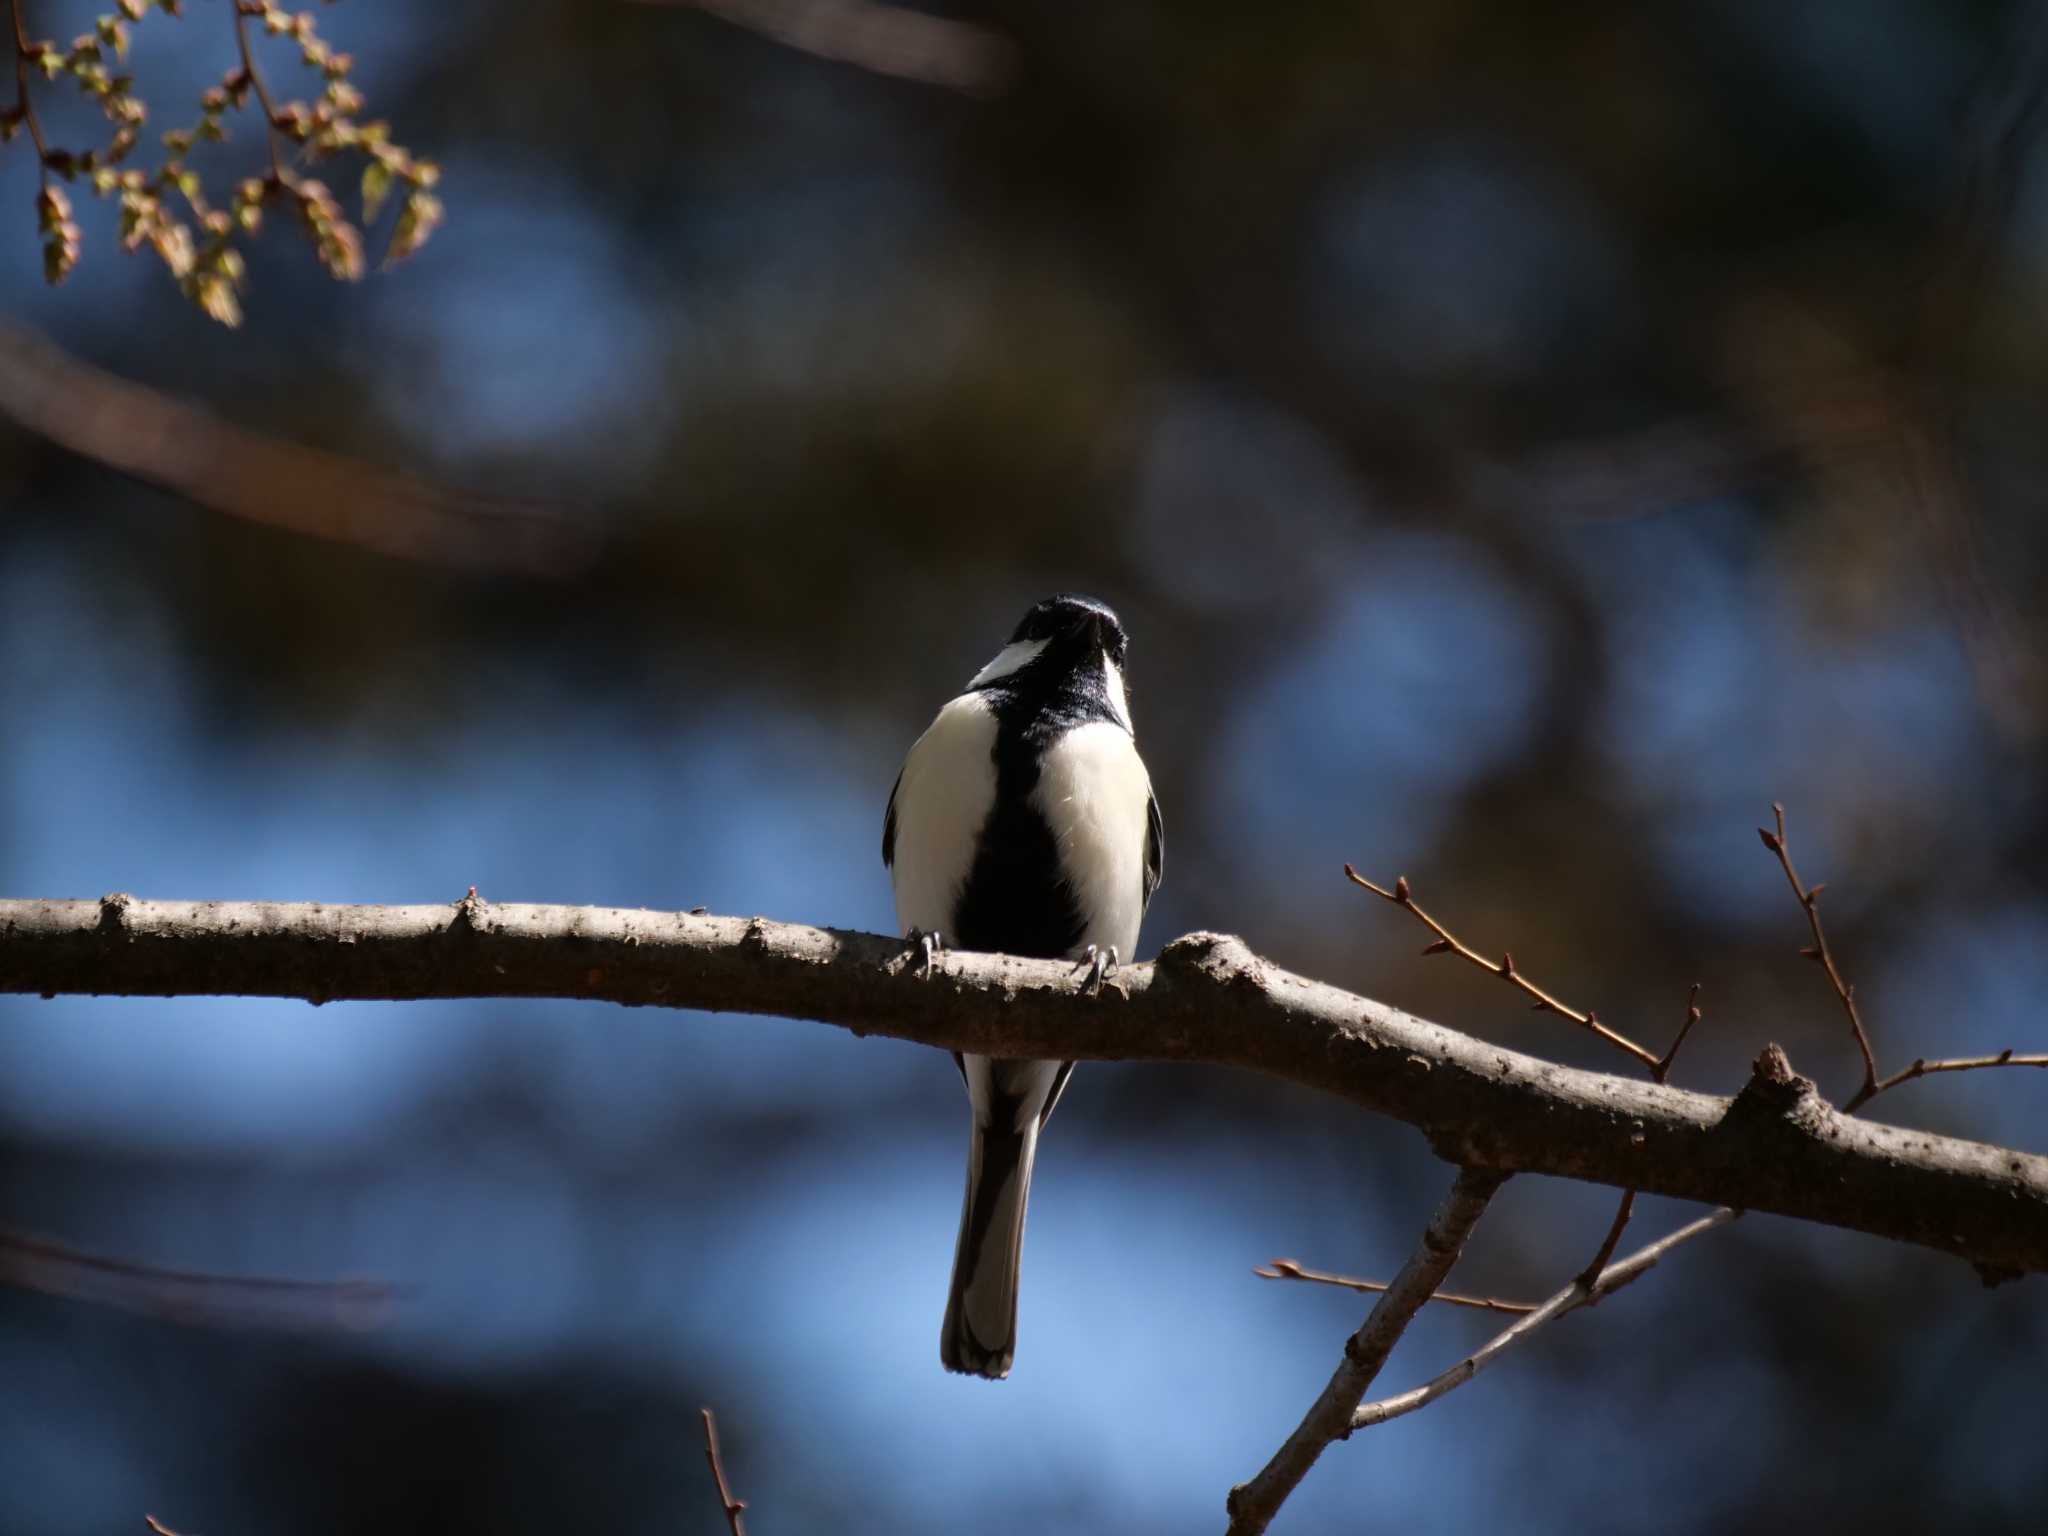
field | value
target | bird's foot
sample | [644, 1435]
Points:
[1100, 963]
[932, 946]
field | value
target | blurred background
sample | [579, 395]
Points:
[1522, 444]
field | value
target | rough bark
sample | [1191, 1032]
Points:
[1776, 1146]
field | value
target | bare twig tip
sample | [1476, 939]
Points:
[734, 1506]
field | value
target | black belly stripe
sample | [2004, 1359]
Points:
[1015, 899]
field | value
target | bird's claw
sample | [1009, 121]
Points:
[933, 946]
[1100, 963]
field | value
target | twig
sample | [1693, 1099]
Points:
[1622, 1214]
[1503, 968]
[243, 10]
[1922, 1067]
[1809, 902]
[1662, 1069]
[24, 102]
[158, 1526]
[1252, 1505]
[1872, 1086]
[1287, 1269]
[1578, 1294]
[734, 1507]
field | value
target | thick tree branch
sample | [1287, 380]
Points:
[1777, 1146]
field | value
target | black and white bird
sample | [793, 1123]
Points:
[1023, 822]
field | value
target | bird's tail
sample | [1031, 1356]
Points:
[979, 1336]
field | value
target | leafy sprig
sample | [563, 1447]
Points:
[167, 208]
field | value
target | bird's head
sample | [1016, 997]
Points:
[1073, 626]
[1061, 635]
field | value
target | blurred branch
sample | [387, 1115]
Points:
[1252, 1505]
[883, 39]
[1997, 137]
[1287, 1269]
[1777, 1146]
[735, 1508]
[139, 431]
[188, 1296]
[1579, 1293]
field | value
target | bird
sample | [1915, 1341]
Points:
[1023, 822]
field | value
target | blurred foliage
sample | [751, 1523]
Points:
[202, 255]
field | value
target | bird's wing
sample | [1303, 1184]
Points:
[1059, 1086]
[1155, 847]
[889, 824]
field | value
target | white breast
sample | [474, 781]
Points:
[1093, 791]
[948, 785]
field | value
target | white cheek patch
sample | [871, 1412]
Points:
[1113, 689]
[1014, 657]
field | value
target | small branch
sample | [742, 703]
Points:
[24, 102]
[1252, 1505]
[243, 10]
[157, 1526]
[1287, 1269]
[734, 1507]
[1922, 1067]
[1662, 1070]
[1572, 1297]
[1503, 968]
[1622, 1213]
[1809, 902]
